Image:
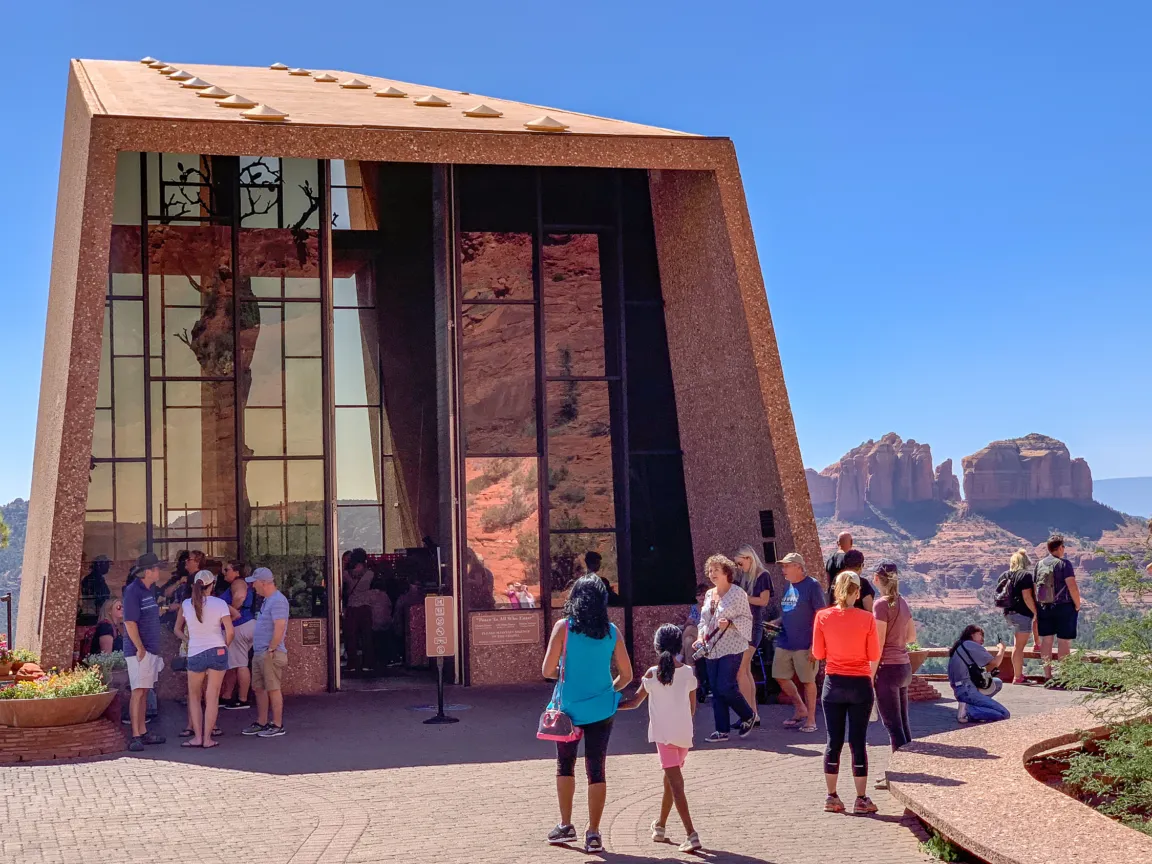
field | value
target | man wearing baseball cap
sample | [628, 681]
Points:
[269, 655]
[142, 649]
[793, 656]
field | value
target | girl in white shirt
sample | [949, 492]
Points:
[670, 687]
[208, 624]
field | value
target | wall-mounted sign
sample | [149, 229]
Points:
[310, 633]
[439, 626]
[507, 628]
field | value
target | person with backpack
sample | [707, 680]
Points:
[1057, 603]
[1015, 595]
[970, 668]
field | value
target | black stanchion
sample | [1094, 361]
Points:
[440, 717]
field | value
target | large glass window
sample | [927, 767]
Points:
[209, 427]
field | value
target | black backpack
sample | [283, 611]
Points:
[1005, 591]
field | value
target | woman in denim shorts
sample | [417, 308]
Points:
[1021, 614]
[209, 626]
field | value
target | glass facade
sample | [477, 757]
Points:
[269, 388]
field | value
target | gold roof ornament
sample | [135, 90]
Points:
[181, 75]
[324, 78]
[483, 110]
[432, 101]
[165, 69]
[213, 92]
[236, 102]
[157, 64]
[279, 67]
[354, 84]
[148, 61]
[545, 124]
[196, 84]
[299, 72]
[392, 93]
[264, 113]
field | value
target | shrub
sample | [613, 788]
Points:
[494, 471]
[940, 848]
[1118, 771]
[83, 681]
[106, 663]
[513, 511]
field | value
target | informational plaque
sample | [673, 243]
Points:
[310, 632]
[507, 628]
[440, 626]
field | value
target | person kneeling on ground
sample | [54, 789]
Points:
[270, 656]
[671, 684]
[968, 653]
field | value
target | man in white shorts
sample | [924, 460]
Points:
[142, 647]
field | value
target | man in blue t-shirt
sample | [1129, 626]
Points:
[142, 647]
[269, 655]
[793, 657]
[1057, 599]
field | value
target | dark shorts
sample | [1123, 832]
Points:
[1057, 620]
[215, 659]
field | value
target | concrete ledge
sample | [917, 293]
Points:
[972, 786]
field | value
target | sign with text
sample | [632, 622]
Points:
[507, 628]
[310, 632]
[439, 626]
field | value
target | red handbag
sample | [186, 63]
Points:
[554, 724]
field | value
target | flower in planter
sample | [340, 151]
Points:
[83, 681]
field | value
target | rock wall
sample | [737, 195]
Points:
[884, 474]
[1032, 468]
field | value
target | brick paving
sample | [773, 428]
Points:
[360, 779]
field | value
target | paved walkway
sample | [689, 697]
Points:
[360, 779]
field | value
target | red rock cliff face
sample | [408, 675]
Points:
[1032, 468]
[883, 474]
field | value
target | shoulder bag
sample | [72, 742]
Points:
[554, 724]
[981, 678]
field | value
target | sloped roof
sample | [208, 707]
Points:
[132, 89]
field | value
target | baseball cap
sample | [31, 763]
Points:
[261, 574]
[205, 577]
[851, 574]
[149, 560]
[793, 558]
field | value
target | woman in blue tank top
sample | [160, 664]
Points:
[589, 694]
[240, 598]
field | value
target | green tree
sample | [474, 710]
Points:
[1117, 771]
[5, 533]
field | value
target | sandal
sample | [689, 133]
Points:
[187, 733]
[189, 744]
[808, 729]
[210, 746]
[794, 723]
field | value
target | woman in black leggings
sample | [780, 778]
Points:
[846, 637]
[582, 651]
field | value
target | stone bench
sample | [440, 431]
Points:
[973, 787]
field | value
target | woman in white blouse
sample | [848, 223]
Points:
[725, 630]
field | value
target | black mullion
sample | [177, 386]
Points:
[116, 459]
[542, 470]
[237, 406]
[328, 418]
[595, 379]
[624, 501]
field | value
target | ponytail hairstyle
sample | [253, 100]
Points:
[669, 642]
[847, 589]
[201, 583]
[888, 580]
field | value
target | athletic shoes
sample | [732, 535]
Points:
[745, 729]
[254, 728]
[863, 806]
[657, 832]
[271, 731]
[692, 844]
[593, 842]
[717, 738]
[833, 804]
[562, 834]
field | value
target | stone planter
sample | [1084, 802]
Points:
[917, 658]
[67, 711]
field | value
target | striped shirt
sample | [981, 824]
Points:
[733, 606]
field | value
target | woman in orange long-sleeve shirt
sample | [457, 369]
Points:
[846, 637]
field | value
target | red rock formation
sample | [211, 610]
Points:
[1032, 468]
[882, 473]
[822, 491]
[946, 485]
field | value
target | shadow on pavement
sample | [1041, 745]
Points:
[926, 779]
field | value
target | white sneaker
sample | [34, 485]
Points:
[657, 832]
[692, 844]
[962, 713]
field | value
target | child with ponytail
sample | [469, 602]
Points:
[671, 687]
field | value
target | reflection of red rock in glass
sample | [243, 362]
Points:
[502, 524]
[495, 266]
[573, 305]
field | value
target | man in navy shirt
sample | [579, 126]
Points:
[142, 645]
[793, 656]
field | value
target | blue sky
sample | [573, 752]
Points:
[951, 201]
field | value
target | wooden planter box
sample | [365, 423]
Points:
[67, 711]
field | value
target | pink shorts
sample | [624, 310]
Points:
[671, 756]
